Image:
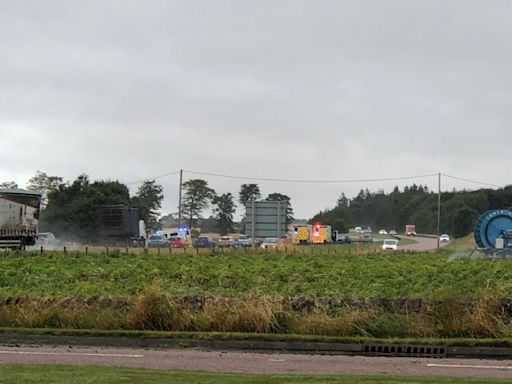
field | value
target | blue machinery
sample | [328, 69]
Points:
[493, 233]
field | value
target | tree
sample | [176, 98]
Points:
[148, 200]
[463, 221]
[224, 210]
[280, 197]
[209, 225]
[343, 201]
[8, 185]
[248, 192]
[43, 183]
[73, 208]
[197, 197]
[335, 218]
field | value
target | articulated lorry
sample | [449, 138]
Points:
[121, 225]
[19, 217]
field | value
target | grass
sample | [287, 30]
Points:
[342, 295]
[466, 243]
[64, 374]
[422, 275]
[156, 309]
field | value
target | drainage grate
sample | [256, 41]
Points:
[404, 350]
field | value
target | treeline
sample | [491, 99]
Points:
[415, 205]
[72, 209]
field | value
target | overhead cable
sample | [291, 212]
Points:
[472, 181]
[154, 177]
[315, 180]
[309, 181]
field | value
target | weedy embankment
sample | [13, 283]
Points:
[381, 295]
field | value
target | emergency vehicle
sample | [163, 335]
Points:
[311, 234]
[301, 234]
[322, 234]
[183, 233]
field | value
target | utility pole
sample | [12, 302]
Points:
[438, 209]
[179, 203]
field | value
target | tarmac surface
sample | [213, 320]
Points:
[422, 244]
[241, 362]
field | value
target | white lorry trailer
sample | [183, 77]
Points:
[19, 217]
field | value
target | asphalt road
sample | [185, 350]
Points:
[422, 244]
[241, 362]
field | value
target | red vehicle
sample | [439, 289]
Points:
[177, 242]
[410, 230]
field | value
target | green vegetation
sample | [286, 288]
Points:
[415, 205]
[423, 275]
[57, 374]
[363, 295]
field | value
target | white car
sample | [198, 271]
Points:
[226, 241]
[444, 238]
[270, 242]
[47, 238]
[383, 232]
[393, 232]
[390, 245]
[358, 229]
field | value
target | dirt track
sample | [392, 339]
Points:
[256, 362]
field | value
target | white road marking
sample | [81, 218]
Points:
[277, 360]
[470, 366]
[70, 354]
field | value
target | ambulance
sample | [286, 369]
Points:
[301, 233]
[322, 234]
[311, 234]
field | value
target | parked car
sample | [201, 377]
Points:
[243, 241]
[383, 232]
[47, 238]
[343, 238]
[270, 242]
[203, 242]
[390, 245]
[226, 241]
[393, 232]
[158, 241]
[444, 238]
[358, 229]
[177, 242]
[366, 238]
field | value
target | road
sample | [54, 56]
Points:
[188, 359]
[422, 244]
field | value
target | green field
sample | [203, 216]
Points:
[60, 374]
[423, 275]
[363, 295]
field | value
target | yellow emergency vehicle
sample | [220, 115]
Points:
[311, 234]
[321, 234]
[301, 234]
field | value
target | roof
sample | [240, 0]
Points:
[20, 192]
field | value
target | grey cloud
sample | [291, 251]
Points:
[290, 89]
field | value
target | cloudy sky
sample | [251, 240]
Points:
[269, 89]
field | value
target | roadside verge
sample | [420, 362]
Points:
[267, 343]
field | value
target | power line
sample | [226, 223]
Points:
[472, 181]
[154, 177]
[315, 180]
[309, 181]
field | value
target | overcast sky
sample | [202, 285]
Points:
[274, 89]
